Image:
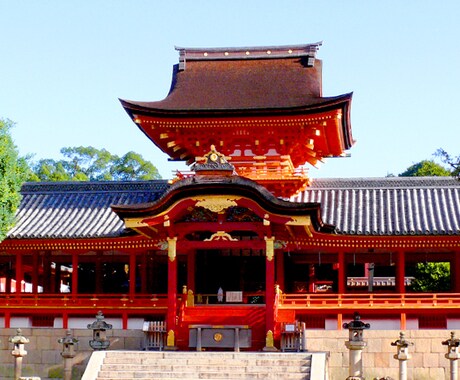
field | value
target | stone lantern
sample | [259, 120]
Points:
[99, 327]
[356, 345]
[68, 353]
[452, 354]
[402, 347]
[18, 351]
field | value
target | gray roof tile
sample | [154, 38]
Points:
[78, 209]
[360, 206]
[388, 206]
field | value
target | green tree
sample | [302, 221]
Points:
[453, 162]
[431, 277]
[91, 164]
[14, 171]
[426, 168]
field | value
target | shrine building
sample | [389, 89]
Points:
[245, 238]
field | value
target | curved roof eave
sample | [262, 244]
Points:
[155, 109]
[233, 185]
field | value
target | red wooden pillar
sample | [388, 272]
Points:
[400, 272]
[172, 294]
[65, 320]
[132, 275]
[8, 279]
[403, 324]
[75, 275]
[269, 293]
[35, 272]
[341, 277]
[191, 270]
[143, 273]
[124, 321]
[19, 273]
[47, 272]
[279, 262]
[98, 273]
[57, 278]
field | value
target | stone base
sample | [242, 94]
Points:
[270, 349]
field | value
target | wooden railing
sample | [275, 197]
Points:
[380, 301]
[212, 298]
[61, 300]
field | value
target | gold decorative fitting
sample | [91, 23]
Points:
[172, 248]
[170, 340]
[216, 203]
[266, 220]
[270, 247]
[221, 236]
[269, 340]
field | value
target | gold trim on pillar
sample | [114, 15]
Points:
[270, 247]
[269, 342]
[172, 248]
[171, 339]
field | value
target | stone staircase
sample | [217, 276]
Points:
[130, 365]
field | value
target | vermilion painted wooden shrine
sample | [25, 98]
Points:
[246, 219]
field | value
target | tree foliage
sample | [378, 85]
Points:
[426, 168]
[13, 172]
[453, 162]
[431, 277]
[91, 164]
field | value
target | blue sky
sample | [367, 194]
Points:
[65, 64]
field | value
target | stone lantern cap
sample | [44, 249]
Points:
[99, 323]
[19, 338]
[402, 342]
[356, 323]
[68, 339]
[452, 342]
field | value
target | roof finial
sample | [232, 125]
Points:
[213, 163]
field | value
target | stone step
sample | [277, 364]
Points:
[205, 361]
[203, 367]
[215, 375]
[190, 365]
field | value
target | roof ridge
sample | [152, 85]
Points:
[383, 182]
[247, 52]
[95, 186]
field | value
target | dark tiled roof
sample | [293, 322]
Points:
[78, 209]
[361, 206]
[388, 206]
[244, 82]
